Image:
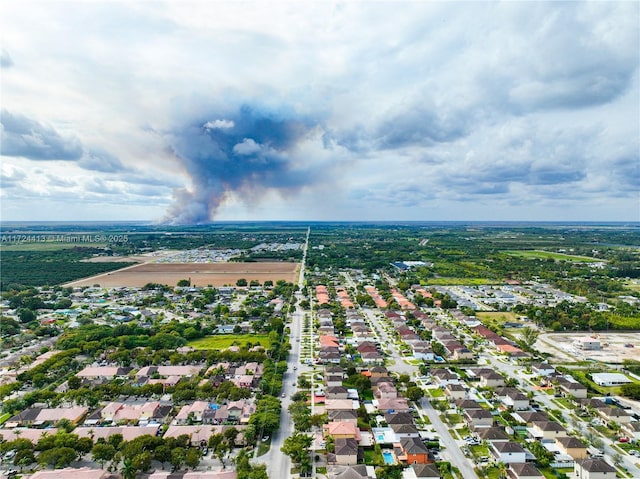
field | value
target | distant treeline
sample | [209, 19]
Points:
[39, 268]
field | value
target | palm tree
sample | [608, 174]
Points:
[502, 469]
[128, 471]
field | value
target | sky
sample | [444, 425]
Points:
[188, 112]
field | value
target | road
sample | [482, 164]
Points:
[278, 463]
[453, 451]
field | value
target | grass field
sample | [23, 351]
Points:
[227, 340]
[537, 254]
[498, 317]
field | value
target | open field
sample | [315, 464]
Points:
[224, 341]
[200, 274]
[498, 316]
[537, 254]
[613, 349]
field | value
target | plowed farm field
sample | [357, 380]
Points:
[200, 274]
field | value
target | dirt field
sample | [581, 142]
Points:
[201, 274]
[613, 346]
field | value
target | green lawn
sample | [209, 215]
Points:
[5, 417]
[226, 340]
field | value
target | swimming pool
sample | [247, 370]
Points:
[388, 457]
[380, 437]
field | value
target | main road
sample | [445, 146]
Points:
[278, 463]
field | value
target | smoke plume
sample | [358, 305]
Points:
[244, 153]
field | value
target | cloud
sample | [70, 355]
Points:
[5, 59]
[101, 161]
[22, 136]
[10, 176]
[218, 124]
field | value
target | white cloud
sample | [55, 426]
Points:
[408, 109]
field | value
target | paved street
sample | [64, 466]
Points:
[279, 464]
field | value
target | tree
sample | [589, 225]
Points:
[529, 336]
[414, 393]
[57, 457]
[103, 453]
[241, 282]
[162, 454]
[128, 469]
[297, 446]
[192, 458]
[178, 456]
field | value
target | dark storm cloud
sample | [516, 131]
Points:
[247, 151]
[22, 136]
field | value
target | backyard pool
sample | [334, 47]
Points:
[388, 457]
[380, 437]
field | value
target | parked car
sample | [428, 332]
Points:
[623, 439]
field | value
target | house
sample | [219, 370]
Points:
[343, 416]
[378, 371]
[463, 353]
[542, 369]
[632, 430]
[463, 404]
[491, 379]
[333, 380]
[340, 405]
[398, 418]
[610, 379]
[614, 414]
[392, 404]
[385, 391]
[40, 416]
[529, 417]
[404, 430]
[192, 412]
[516, 400]
[360, 471]
[346, 451]
[421, 471]
[572, 388]
[104, 372]
[444, 376]
[493, 434]
[547, 430]
[336, 392]
[455, 391]
[478, 418]
[373, 357]
[339, 429]
[572, 446]
[508, 452]
[595, 468]
[412, 450]
[524, 471]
